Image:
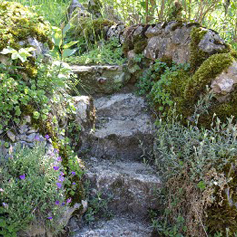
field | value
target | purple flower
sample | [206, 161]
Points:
[61, 173]
[1, 190]
[56, 167]
[73, 183]
[57, 203]
[56, 151]
[69, 200]
[63, 203]
[4, 204]
[61, 178]
[50, 217]
[59, 185]
[37, 138]
[59, 159]
[73, 172]
[47, 136]
[22, 176]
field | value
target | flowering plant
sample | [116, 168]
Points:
[32, 190]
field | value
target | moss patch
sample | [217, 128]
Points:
[213, 66]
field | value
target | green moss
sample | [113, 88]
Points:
[94, 7]
[140, 45]
[213, 66]
[197, 56]
[17, 23]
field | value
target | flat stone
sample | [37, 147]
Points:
[117, 227]
[115, 77]
[11, 135]
[225, 82]
[122, 125]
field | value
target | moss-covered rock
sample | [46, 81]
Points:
[88, 29]
[20, 28]
[17, 23]
[209, 69]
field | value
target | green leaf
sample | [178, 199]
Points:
[68, 52]
[201, 185]
[68, 45]
[36, 115]
[66, 28]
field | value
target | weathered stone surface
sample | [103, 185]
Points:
[172, 41]
[115, 31]
[101, 79]
[171, 44]
[211, 42]
[117, 227]
[225, 83]
[123, 124]
[85, 112]
[133, 186]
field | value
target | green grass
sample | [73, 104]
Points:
[52, 10]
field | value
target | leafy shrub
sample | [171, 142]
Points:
[199, 171]
[35, 96]
[32, 190]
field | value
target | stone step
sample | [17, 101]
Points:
[132, 187]
[99, 79]
[117, 227]
[123, 128]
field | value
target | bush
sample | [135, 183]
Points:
[32, 190]
[198, 167]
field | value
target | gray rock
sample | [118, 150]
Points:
[171, 44]
[225, 83]
[154, 30]
[23, 129]
[114, 78]
[117, 227]
[133, 186]
[123, 124]
[85, 112]
[11, 135]
[212, 43]
[115, 31]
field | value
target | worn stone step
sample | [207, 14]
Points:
[117, 227]
[99, 79]
[132, 187]
[123, 128]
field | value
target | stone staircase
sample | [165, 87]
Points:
[114, 158]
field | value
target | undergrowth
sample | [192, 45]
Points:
[101, 53]
[198, 167]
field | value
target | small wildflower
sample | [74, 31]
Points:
[1, 190]
[73, 183]
[57, 203]
[61, 173]
[59, 159]
[50, 217]
[61, 178]
[22, 176]
[56, 151]
[47, 136]
[37, 138]
[63, 203]
[73, 172]
[5, 205]
[59, 185]
[56, 167]
[69, 200]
